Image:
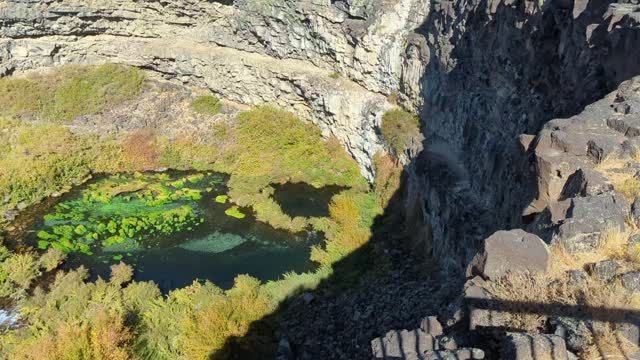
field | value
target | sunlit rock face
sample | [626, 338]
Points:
[479, 73]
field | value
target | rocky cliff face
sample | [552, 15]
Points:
[480, 73]
[495, 73]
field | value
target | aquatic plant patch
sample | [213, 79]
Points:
[235, 212]
[127, 212]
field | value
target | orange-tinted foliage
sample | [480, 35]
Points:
[142, 150]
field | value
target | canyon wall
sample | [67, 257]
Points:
[329, 64]
[480, 74]
[496, 72]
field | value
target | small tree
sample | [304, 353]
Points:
[399, 129]
[121, 273]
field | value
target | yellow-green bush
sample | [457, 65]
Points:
[102, 337]
[399, 129]
[17, 272]
[353, 213]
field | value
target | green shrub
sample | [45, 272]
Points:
[399, 129]
[206, 105]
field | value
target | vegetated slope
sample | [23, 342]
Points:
[63, 315]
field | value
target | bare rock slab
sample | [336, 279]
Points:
[513, 251]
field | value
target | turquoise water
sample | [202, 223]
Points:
[205, 243]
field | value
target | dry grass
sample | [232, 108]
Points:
[607, 302]
[608, 343]
[611, 162]
[613, 167]
[612, 245]
[614, 240]
[563, 260]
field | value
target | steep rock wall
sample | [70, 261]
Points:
[496, 70]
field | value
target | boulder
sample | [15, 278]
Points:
[587, 217]
[603, 270]
[403, 344]
[631, 281]
[523, 346]
[513, 251]
[431, 325]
